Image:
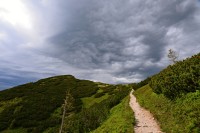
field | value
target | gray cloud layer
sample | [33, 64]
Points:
[113, 41]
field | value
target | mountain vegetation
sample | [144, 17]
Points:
[140, 84]
[93, 115]
[178, 116]
[68, 105]
[178, 79]
[120, 120]
[38, 107]
[173, 96]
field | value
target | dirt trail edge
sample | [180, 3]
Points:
[145, 122]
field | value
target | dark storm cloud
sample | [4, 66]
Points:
[176, 11]
[105, 33]
[113, 41]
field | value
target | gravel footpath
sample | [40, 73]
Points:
[145, 122]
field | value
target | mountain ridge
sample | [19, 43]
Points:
[38, 107]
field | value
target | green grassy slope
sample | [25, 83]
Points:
[89, 101]
[179, 116]
[173, 96]
[121, 119]
[94, 113]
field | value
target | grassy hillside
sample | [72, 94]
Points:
[37, 107]
[173, 96]
[95, 112]
[121, 119]
[179, 116]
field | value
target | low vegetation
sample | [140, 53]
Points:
[93, 115]
[173, 96]
[178, 116]
[140, 84]
[121, 119]
[36, 107]
[178, 79]
[89, 101]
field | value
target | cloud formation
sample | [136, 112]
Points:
[113, 41]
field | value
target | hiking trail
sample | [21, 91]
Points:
[145, 122]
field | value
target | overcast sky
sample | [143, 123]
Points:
[112, 41]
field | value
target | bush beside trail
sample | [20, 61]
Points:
[178, 79]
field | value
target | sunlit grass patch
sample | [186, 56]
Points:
[121, 119]
[5, 104]
[89, 101]
[19, 130]
[181, 115]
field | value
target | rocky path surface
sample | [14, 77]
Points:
[145, 122]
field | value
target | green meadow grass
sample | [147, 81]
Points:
[121, 119]
[178, 116]
[19, 130]
[89, 101]
[5, 104]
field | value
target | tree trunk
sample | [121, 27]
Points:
[63, 117]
